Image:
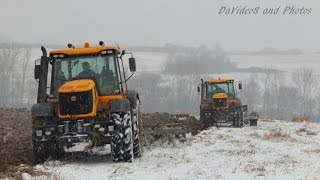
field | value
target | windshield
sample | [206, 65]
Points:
[220, 88]
[100, 68]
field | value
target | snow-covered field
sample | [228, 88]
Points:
[272, 150]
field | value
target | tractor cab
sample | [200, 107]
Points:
[220, 88]
[101, 67]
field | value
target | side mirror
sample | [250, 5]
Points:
[240, 86]
[132, 64]
[36, 71]
[198, 89]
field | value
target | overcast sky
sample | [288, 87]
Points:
[157, 22]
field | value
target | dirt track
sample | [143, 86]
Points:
[16, 142]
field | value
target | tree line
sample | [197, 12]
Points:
[273, 94]
[15, 81]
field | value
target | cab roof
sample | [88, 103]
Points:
[84, 50]
[220, 80]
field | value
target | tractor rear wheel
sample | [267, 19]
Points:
[121, 141]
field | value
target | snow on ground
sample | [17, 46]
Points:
[272, 150]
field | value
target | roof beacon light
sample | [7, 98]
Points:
[101, 43]
[86, 45]
[69, 45]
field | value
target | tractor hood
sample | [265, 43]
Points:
[80, 85]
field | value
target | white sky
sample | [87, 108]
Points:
[156, 22]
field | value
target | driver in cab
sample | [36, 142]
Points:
[87, 71]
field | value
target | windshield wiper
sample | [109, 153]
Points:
[75, 62]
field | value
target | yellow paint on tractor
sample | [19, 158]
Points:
[219, 80]
[80, 85]
[84, 50]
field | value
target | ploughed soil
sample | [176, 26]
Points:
[16, 142]
[161, 119]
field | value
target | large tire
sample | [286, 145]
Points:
[238, 120]
[204, 121]
[39, 152]
[57, 151]
[137, 131]
[44, 150]
[121, 141]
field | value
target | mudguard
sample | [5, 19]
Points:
[245, 108]
[119, 105]
[133, 96]
[205, 107]
[42, 109]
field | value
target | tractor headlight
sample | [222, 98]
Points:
[111, 128]
[60, 128]
[86, 127]
[80, 126]
[101, 129]
[39, 133]
[66, 127]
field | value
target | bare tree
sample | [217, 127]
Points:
[270, 82]
[305, 80]
[25, 59]
[8, 58]
[251, 93]
[14, 59]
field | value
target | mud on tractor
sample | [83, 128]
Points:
[88, 102]
[220, 104]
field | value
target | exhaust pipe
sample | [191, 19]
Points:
[43, 77]
[202, 90]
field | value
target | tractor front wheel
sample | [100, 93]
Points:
[238, 120]
[137, 131]
[121, 141]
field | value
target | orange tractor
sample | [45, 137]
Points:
[88, 102]
[219, 103]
